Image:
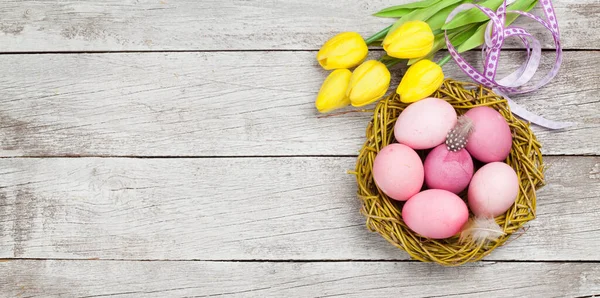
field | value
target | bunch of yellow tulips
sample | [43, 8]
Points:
[371, 79]
[417, 34]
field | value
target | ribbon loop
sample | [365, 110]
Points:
[514, 83]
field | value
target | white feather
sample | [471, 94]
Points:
[458, 136]
[481, 230]
[464, 127]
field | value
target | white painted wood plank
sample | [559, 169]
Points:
[227, 104]
[245, 209]
[36, 278]
[147, 25]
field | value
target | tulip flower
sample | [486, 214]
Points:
[420, 81]
[369, 82]
[344, 50]
[413, 39]
[332, 95]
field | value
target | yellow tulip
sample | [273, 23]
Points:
[344, 50]
[332, 95]
[413, 39]
[420, 81]
[369, 82]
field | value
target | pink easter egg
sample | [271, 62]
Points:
[398, 171]
[447, 170]
[491, 138]
[425, 123]
[493, 189]
[435, 213]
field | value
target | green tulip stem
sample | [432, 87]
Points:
[377, 36]
[444, 60]
[391, 63]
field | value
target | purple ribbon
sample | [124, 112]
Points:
[514, 83]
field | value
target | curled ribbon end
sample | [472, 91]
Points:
[514, 83]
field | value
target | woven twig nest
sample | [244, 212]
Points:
[384, 214]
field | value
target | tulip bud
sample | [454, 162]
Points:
[332, 95]
[344, 50]
[420, 81]
[413, 39]
[369, 82]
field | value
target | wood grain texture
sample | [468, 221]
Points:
[147, 218]
[344, 279]
[228, 104]
[147, 25]
[245, 209]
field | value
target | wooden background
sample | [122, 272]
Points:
[171, 148]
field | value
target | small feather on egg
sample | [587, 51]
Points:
[458, 136]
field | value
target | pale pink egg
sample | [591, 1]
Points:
[493, 189]
[435, 213]
[491, 138]
[398, 171]
[447, 170]
[424, 124]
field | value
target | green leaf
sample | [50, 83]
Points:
[525, 5]
[396, 13]
[474, 41]
[423, 14]
[478, 37]
[413, 5]
[464, 35]
[437, 20]
[475, 15]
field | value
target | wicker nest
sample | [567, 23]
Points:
[384, 214]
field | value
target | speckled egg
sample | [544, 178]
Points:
[493, 189]
[491, 138]
[398, 171]
[447, 170]
[435, 213]
[425, 123]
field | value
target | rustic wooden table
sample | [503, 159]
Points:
[171, 148]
